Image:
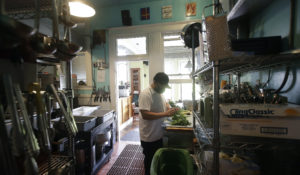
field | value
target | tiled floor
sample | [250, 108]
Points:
[119, 146]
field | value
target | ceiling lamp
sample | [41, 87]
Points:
[188, 64]
[81, 9]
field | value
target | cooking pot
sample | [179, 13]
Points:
[67, 50]
[43, 44]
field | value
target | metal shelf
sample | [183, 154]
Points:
[254, 143]
[247, 63]
[205, 134]
[26, 9]
[56, 163]
[205, 68]
[49, 60]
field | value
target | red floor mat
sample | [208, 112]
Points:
[130, 162]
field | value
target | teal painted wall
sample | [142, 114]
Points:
[274, 20]
[110, 16]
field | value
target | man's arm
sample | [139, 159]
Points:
[147, 115]
[168, 106]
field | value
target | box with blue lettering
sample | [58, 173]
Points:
[261, 120]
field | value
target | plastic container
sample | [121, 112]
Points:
[170, 161]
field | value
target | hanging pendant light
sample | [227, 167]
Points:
[81, 8]
[188, 64]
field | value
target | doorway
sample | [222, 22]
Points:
[132, 77]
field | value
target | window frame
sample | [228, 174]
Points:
[125, 36]
[178, 81]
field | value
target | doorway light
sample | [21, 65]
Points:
[81, 9]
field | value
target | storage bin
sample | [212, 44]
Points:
[170, 161]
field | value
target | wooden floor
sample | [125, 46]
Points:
[119, 146]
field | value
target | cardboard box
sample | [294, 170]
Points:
[260, 120]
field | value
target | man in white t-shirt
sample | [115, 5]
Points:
[153, 108]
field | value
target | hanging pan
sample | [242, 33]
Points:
[188, 31]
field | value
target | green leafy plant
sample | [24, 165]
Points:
[179, 118]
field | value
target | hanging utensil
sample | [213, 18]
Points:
[7, 160]
[41, 114]
[65, 49]
[69, 119]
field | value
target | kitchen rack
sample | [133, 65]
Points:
[64, 163]
[18, 9]
[14, 11]
[237, 65]
[211, 140]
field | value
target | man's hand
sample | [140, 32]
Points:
[171, 111]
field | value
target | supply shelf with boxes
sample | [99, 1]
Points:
[258, 132]
[249, 126]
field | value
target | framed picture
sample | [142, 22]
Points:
[145, 13]
[190, 9]
[166, 12]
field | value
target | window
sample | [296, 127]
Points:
[132, 46]
[176, 57]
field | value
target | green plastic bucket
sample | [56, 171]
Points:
[171, 161]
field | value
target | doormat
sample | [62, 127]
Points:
[129, 162]
[133, 135]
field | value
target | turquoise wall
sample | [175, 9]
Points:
[274, 20]
[110, 16]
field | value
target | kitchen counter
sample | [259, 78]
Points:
[177, 136]
[168, 126]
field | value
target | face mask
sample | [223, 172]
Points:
[159, 89]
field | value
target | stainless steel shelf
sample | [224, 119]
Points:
[205, 134]
[203, 69]
[26, 9]
[247, 63]
[57, 164]
[49, 60]
[254, 143]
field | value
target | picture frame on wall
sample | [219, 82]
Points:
[190, 9]
[166, 12]
[145, 13]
